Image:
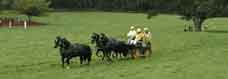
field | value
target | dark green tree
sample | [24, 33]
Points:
[6, 4]
[200, 10]
[32, 7]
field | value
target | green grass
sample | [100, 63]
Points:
[29, 54]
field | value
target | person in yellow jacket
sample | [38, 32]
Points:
[140, 37]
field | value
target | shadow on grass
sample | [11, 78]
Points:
[217, 31]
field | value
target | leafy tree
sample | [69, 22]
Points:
[6, 4]
[32, 7]
[196, 10]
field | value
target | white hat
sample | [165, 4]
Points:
[139, 30]
[145, 29]
[132, 27]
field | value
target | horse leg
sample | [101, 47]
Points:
[104, 55]
[114, 54]
[123, 54]
[119, 55]
[97, 52]
[62, 61]
[81, 59]
[68, 63]
[85, 59]
[108, 56]
[88, 59]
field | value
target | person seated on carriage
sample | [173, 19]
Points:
[131, 35]
[139, 38]
[147, 34]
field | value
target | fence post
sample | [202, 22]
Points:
[25, 24]
[10, 24]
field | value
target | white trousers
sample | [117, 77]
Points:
[132, 42]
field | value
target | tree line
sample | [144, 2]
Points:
[195, 10]
[114, 5]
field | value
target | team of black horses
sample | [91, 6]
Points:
[106, 47]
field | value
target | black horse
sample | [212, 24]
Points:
[95, 38]
[100, 46]
[119, 48]
[68, 51]
[109, 46]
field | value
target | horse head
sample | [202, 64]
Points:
[95, 38]
[61, 42]
[104, 39]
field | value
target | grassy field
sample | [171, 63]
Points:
[29, 54]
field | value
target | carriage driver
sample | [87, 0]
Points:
[131, 35]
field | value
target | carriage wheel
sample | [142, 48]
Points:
[137, 53]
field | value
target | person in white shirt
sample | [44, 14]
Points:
[131, 35]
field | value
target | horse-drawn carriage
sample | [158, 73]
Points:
[109, 47]
[106, 46]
